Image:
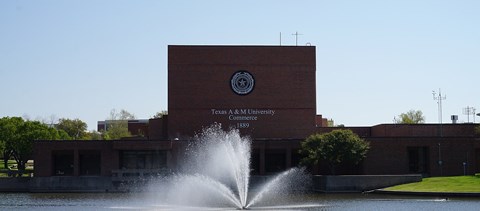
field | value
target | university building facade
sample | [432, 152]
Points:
[269, 94]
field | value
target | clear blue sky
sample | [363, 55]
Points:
[375, 59]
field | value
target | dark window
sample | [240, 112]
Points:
[62, 163]
[147, 159]
[255, 162]
[418, 159]
[296, 158]
[90, 162]
[477, 159]
[275, 161]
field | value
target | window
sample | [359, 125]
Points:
[275, 161]
[418, 160]
[62, 163]
[90, 163]
[147, 159]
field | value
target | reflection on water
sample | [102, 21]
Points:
[140, 201]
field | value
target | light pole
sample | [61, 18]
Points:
[440, 160]
[439, 99]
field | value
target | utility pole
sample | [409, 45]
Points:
[439, 99]
[440, 162]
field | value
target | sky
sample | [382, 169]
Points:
[375, 59]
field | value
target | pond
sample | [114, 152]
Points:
[147, 201]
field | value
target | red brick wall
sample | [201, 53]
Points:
[44, 158]
[138, 128]
[390, 155]
[423, 130]
[360, 131]
[157, 128]
[109, 150]
[199, 81]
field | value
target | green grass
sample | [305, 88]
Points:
[13, 166]
[10, 163]
[464, 184]
[2, 166]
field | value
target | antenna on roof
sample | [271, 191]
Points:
[469, 111]
[296, 37]
[439, 99]
[280, 38]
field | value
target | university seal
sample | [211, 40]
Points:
[242, 82]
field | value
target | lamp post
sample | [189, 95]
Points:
[440, 160]
[439, 99]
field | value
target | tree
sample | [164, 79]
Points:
[75, 128]
[336, 147]
[411, 117]
[63, 135]
[22, 147]
[160, 114]
[3, 153]
[117, 125]
[18, 136]
[94, 135]
[8, 131]
[122, 115]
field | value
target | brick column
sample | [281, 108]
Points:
[288, 158]
[262, 161]
[76, 163]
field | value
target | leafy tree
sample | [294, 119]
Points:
[19, 135]
[336, 147]
[3, 153]
[22, 148]
[117, 125]
[122, 115]
[117, 130]
[2, 147]
[63, 135]
[75, 128]
[160, 114]
[411, 117]
[8, 130]
[94, 135]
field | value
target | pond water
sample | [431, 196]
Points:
[147, 201]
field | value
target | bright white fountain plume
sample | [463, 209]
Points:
[216, 173]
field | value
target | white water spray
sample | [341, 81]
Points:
[217, 173]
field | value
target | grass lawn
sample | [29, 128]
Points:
[463, 184]
[2, 166]
[10, 163]
[13, 166]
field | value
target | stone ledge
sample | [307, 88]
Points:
[360, 183]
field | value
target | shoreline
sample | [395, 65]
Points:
[417, 193]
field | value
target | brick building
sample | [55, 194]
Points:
[268, 93]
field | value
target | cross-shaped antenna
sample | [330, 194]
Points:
[296, 37]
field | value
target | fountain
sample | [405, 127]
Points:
[216, 173]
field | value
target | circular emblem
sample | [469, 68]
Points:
[242, 82]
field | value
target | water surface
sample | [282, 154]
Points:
[147, 201]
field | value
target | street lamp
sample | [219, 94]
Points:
[440, 162]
